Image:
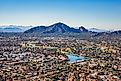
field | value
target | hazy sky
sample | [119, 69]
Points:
[104, 14]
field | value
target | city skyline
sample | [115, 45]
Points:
[101, 14]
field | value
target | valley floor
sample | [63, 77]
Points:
[46, 59]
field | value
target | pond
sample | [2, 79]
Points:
[75, 58]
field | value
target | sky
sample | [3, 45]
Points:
[101, 14]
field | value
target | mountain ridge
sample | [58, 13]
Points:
[56, 28]
[14, 28]
[11, 29]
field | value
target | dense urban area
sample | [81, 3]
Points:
[52, 59]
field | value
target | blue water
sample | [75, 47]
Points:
[75, 58]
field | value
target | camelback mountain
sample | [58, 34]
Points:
[58, 28]
[63, 29]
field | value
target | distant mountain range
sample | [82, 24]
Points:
[14, 28]
[11, 30]
[97, 30]
[58, 29]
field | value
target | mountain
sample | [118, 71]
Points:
[7, 29]
[57, 28]
[14, 28]
[96, 30]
